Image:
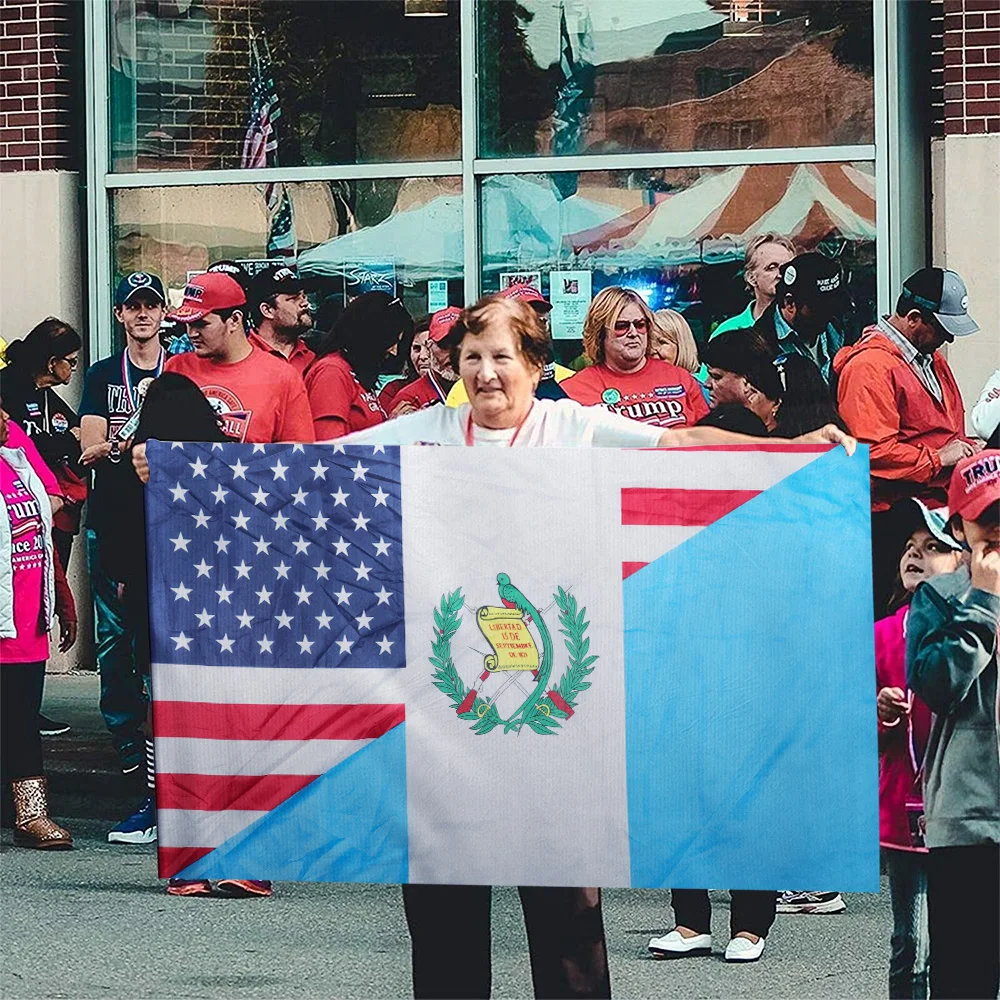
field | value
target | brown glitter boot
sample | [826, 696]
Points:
[32, 826]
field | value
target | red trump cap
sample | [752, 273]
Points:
[975, 484]
[207, 293]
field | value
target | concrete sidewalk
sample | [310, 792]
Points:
[85, 779]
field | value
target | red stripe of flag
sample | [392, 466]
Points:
[680, 507]
[213, 792]
[628, 568]
[208, 720]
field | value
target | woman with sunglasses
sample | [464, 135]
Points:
[48, 356]
[624, 376]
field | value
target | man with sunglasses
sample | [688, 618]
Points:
[897, 394]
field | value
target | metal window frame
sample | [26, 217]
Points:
[102, 182]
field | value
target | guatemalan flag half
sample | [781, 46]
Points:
[525, 666]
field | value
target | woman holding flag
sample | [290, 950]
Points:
[499, 348]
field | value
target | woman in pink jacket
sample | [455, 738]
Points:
[903, 726]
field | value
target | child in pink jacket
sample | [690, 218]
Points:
[927, 550]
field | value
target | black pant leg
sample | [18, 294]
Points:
[693, 909]
[569, 955]
[450, 938]
[963, 899]
[752, 911]
[20, 700]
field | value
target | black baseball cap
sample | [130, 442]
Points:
[944, 294]
[139, 281]
[235, 271]
[280, 279]
[813, 278]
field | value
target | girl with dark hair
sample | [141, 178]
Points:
[48, 356]
[371, 338]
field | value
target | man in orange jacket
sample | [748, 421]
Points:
[897, 394]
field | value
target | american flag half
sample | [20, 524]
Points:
[270, 568]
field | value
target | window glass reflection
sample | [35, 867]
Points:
[338, 82]
[678, 236]
[604, 76]
[393, 235]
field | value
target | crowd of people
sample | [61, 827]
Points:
[243, 362]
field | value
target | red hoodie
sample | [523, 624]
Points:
[887, 407]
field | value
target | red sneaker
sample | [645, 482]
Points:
[238, 888]
[189, 887]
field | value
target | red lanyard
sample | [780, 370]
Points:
[469, 441]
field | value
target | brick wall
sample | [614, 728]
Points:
[191, 86]
[40, 45]
[971, 67]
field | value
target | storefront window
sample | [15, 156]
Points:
[604, 76]
[676, 235]
[208, 84]
[400, 236]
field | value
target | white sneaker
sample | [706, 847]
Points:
[741, 949]
[675, 945]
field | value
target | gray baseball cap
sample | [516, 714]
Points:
[944, 294]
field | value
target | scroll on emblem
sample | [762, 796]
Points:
[512, 644]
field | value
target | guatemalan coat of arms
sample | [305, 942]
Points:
[519, 684]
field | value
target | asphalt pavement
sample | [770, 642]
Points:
[95, 922]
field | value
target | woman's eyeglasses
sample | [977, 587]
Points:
[72, 362]
[622, 326]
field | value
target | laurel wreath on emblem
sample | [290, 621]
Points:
[551, 709]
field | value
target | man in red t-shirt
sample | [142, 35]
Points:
[433, 386]
[628, 382]
[259, 398]
[281, 316]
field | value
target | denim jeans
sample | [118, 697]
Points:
[910, 948]
[123, 702]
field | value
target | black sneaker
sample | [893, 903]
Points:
[46, 727]
[793, 901]
[131, 756]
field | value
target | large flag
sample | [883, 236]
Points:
[484, 666]
[260, 149]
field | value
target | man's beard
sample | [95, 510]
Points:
[289, 334]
